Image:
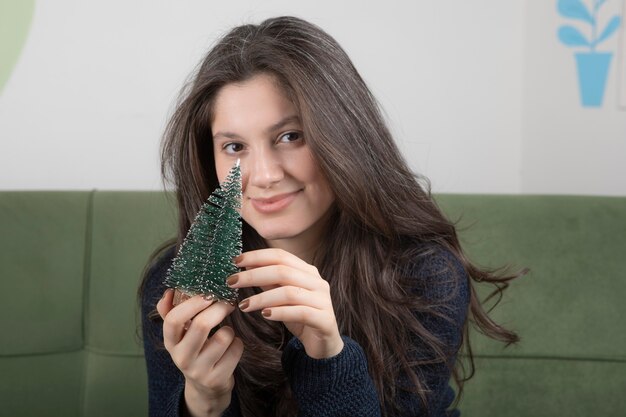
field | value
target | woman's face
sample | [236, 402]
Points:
[285, 195]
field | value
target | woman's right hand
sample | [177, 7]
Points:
[206, 362]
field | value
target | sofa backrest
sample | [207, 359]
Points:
[568, 310]
[71, 262]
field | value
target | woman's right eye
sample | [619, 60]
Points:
[233, 147]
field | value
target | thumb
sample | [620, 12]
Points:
[165, 303]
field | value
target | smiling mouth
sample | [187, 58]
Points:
[273, 204]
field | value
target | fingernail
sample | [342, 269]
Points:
[244, 304]
[266, 312]
[232, 280]
[179, 297]
[237, 259]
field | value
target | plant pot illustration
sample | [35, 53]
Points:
[592, 66]
[593, 69]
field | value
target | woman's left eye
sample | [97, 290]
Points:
[290, 137]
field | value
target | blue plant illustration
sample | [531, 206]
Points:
[592, 66]
[575, 9]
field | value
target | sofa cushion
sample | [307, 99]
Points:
[571, 304]
[49, 384]
[126, 228]
[544, 387]
[41, 264]
[41, 314]
[568, 310]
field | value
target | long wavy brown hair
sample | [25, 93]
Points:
[380, 207]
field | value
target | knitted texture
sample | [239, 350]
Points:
[337, 386]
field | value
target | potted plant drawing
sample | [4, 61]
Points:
[592, 65]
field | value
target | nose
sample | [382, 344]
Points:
[263, 169]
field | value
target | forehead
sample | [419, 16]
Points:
[259, 99]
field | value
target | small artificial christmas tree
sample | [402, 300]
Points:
[205, 258]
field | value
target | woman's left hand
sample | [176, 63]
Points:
[294, 293]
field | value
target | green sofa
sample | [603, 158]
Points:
[70, 264]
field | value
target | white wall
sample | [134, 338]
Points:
[89, 96]
[569, 148]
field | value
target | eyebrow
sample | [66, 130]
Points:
[276, 126]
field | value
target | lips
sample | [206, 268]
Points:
[274, 203]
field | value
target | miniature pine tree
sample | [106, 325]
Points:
[205, 258]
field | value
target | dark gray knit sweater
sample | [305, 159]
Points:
[337, 386]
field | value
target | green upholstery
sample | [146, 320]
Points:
[568, 310]
[70, 264]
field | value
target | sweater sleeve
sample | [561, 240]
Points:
[337, 386]
[166, 383]
[342, 386]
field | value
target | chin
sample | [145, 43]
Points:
[275, 234]
[280, 230]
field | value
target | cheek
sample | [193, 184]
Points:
[313, 174]
[319, 186]
[307, 171]
[303, 166]
[327, 197]
[222, 167]
[245, 210]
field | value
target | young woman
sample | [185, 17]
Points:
[355, 294]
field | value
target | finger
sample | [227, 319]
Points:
[276, 275]
[174, 322]
[317, 319]
[219, 377]
[272, 256]
[200, 327]
[285, 296]
[165, 303]
[216, 345]
[226, 365]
